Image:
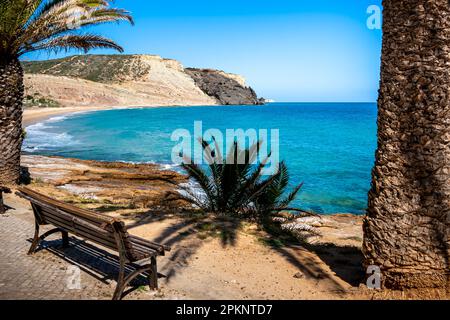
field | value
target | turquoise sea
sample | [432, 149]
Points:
[328, 146]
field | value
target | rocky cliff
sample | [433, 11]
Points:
[129, 80]
[228, 89]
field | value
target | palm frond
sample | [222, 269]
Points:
[195, 199]
[214, 158]
[246, 191]
[13, 15]
[239, 188]
[111, 15]
[29, 25]
[81, 42]
[199, 176]
[290, 197]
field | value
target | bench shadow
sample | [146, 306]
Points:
[98, 263]
[8, 208]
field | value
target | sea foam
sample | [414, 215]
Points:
[42, 136]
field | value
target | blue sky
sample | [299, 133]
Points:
[288, 50]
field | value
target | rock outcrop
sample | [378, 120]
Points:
[228, 89]
[130, 80]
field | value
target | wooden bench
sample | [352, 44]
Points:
[105, 231]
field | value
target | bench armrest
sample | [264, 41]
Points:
[150, 244]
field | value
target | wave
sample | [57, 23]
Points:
[172, 167]
[40, 136]
[191, 189]
[54, 119]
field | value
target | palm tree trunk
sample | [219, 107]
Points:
[11, 96]
[406, 230]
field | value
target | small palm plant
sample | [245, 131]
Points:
[33, 25]
[271, 200]
[238, 188]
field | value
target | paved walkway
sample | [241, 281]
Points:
[52, 273]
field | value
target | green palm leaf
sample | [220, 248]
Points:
[30, 25]
[239, 188]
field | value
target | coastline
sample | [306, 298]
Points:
[44, 118]
[35, 115]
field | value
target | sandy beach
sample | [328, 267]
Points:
[34, 115]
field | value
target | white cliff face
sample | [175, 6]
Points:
[142, 81]
[75, 92]
[131, 80]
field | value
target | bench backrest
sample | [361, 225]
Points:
[106, 231]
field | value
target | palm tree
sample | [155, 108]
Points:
[406, 231]
[236, 187]
[32, 25]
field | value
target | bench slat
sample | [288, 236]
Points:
[83, 234]
[144, 250]
[78, 222]
[74, 224]
[86, 214]
[149, 244]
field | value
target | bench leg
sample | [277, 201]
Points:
[153, 275]
[35, 241]
[120, 281]
[2, 206]
[65, 239]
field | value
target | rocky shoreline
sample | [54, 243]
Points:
[125, 189]
[104, 186]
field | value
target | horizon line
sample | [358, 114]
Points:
[312, 102]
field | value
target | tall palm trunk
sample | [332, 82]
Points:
[406, 231]
[11, 96]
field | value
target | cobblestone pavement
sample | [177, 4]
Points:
[53, 273]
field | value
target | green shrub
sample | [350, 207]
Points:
[239, 189]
